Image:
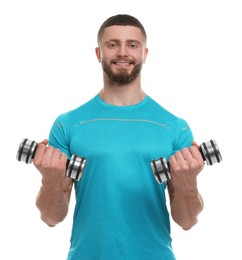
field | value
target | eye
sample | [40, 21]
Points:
[112, 45]
[133, 45]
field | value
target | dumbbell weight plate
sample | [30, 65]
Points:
[209, 151]
[26, 151]
[74, 168]
[161, 170]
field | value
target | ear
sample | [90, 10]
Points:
[98, 54]
[145, 54]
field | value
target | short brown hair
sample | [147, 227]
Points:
[123, 20]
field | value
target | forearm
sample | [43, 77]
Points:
[185, 207]
[54, 195]
[186, 202]
[53, 202]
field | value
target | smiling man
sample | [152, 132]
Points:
[120, 211]
[122, 55]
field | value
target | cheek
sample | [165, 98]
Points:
[139, 56]
[108, 58]
[102, 56]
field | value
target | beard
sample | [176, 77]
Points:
[123, 76]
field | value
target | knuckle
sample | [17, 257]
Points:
[56, 152]
[50, 149]
[43, 165]
[193, 148]
[177, 154]
[176, 168]
[185, 150]
[185, 167]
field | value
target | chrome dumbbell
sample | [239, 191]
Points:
[208, 150]
[74, 167]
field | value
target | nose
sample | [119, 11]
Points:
[122, 51]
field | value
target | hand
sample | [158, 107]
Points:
[51, 163]
[185, 166]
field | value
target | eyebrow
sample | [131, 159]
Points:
[129, 40]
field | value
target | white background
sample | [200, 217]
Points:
[48, 66]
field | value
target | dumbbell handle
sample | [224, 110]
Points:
[208, 150]
[74, 167]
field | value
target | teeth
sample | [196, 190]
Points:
[122, 63]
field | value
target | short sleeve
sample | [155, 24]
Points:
[59, 134]
[183, 136]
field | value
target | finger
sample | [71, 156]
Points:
[39, 153]
[195, 144]
[49, 151]
[172, 162]
[196, 154]
[63, 157]
[45, 142]
[176, 160]
[187, 154]
[56, 154]
[58, 159]
[179, 157]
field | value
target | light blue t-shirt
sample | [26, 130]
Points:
[121, 211]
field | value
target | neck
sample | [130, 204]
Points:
[124, 95]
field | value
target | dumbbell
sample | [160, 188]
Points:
[209, 151]
[74, 167]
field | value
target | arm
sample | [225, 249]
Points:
[54, 195]
[185, 201]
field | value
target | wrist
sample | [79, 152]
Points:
[184, 182]
[190, 190]
[51, 186]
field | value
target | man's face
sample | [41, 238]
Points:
[122, 53]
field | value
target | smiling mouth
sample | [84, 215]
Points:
[122, 63]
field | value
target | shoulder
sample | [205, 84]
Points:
[79, 112]
[162, 114]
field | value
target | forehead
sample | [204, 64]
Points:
[122, 33]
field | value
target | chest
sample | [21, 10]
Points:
[105, 137]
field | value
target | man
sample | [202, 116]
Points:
[120, 209]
